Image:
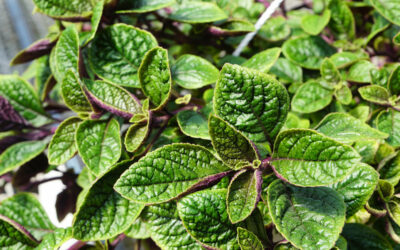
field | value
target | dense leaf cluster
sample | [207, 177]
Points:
[293, 145]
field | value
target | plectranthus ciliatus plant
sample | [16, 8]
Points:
[292, 145]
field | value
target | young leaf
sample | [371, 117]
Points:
[193, 124]
[308, 51]
[287, 71]
[62, 146]
[389, 9]
[193, 72]
[314, 24]
[263, 60]
[357, 187]
[73, 94]
[329, 72]
[144, 6]
[56, 239]
[390, 171]
[388, 121]
[359, 236]
[394, 81]
[113, 98]
[117, 52]
[345, 58]
[243, 194]
[211, 227]
[360, 72]
[342, 22]
[155, 76]
[343, 94]
[233, 148]
[309, 218]
[375, 94]
[347, 129]
[247, 240]
[311, 97]
[95, 21]
[63, 9]
[168, 172]
[99, 144]
[308, 158]
[19, 154]
[9, 118]
[254, 103]
[136, 135]
[197, 12]
[14, 236]
[23, 98]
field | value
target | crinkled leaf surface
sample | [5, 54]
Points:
[275, 29]
[391, 170]
[388, 121]
[307, 51]
[12, 236]
[314, 24]
[347, 129]
[19, 154]
[104, 213]
[263, 60]
[193, 72]
[209, 226]
[343, 94]
[138, 230]
[346, 58]
[311, 97]
[23, 98]
[99, 144]
[360, 72]
[155, 76]
[197, 12]
[247, 240]
[117, 52]
[287, 71]
[65, 9]
[359, 236]
[254, 103]
[342, 21]
[308, 158]
[168, 172]
[142, 6]
[193, 124]
[62, 146]
[73, 94]
[54, 240]
[42, 76]
[136, 135]
[231, 145]
[95, 20]
[329, 72]
[390, 9]
[375, 94]
[394, 81]
[310, 218]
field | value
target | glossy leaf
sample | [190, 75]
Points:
[286, 71]
[329, 72]
[233, 27]
[64, 9]
[95, 21]
[54, 240]
[13, 236]
[390, 171]
[342, 21]
[389, 123]
[9, 118]
[389, 9]
[311, 97]
[138, 230]
[345, 58]
[343, 94]
[73, 94]
[142, 6]
[33, 51]
[359, 236]
[135, 136]
[247, 240]
[314, 24]
[375, 94]
[360, 72]
[275, 29]
[193, 124]
[264, 60]
[394, 82]
[197, 12]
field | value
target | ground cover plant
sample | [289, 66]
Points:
[294, 144]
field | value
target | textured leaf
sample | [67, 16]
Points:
[19, 154]
[390, 171]
[117, 52]
[308, 51]
[357, 187]
[264, 60]
[389, 122]
[233, 27]
[360, 72]
[343, 94]
[396, 39]
[99, 144]
[138, 230]
[232, 147]
[393, 207]
[13, 236]
[95, 21]
[342, 22]
[329, 72]
[104, 213]
[65, 9]
[247, 240]
[23, 98]
[254, 103]
[308, 158]
[243, 195]
[168, 172]
[136, 135]
[155, 76]
[142, 6]
[209, 226]
[345, 58]
[275, 29]
[394, 81]
[380, 24]
[359, 236]
[309, 218]
[375, 94]
[390, 9]
[113, 98]
[9, 118]
[197, 12]
[311, 97]
[62, 146]
[193, 124]
[314, 24]
[193, 72]
[65, 55]
[347, 129]
[73, 94]
[163, 219]
[43, 75]
[35, 50]
[54, 240]
[287, 71]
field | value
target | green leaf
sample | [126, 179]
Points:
[142, 6]
[347, 129]
[307, 51]
[26, 210]
[286, 71]
[360, 112]
[390, 9]
[390, 171]
[345, 58]
[233, 27]
[104, 213]
[117, 52]
[95, 21]
[360, 236]
[293, 121]
[308, 158]
[197, 12]
[342, 22]
[254, 103]
[193, 124]
[329, 72]
[136, 135]
[54, 240]
[113, 98]
[309, 218]
[138, 230]
[393, 207]
[311, 97]
[343, 94]
[360, 72]
[155, 76]
[73, 94]
[20, 153]
[163, 218]
[388, 121]
[380, 24]
[193, 72]
[13, 236]
[23, 98]
[211, 227]
[375, 94]
[64, 9]
[275, 29]
[396, 39]
[231, 145]
[357, 187]
[243, 194]
[247, 240]
[263, 60]
[394, 81]
[62, 146]
[65, 55]
[99, 144]
[314, 24]
[380, 76]
[167, 172]
[42, 75]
